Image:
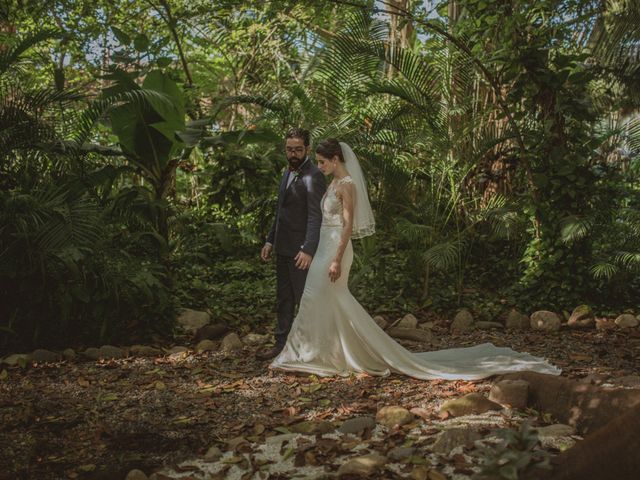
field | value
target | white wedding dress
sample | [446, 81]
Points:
[333, 335]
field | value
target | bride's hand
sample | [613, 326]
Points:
[334, 271]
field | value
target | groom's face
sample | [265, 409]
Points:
[296, 151]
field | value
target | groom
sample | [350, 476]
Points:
[295, 232]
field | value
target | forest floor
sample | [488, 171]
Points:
[99, 420]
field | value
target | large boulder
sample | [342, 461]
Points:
[45, 356]
[581, 317]
[545, 321]
[463, 321]
[517, 321]
[231, 343]
[357, 425]
[191, 320]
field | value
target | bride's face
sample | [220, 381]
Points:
[326, 165]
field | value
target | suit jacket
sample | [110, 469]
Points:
[296, 225]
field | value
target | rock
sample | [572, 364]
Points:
[382, 323]
[312, 427]
[145, 351]
[211, 332]
[512, 393]
[213, 454]
[108, 352]
[473, 403]
[192, 320]
[365, 466]
[91, 353]
[177, 349]
[605, 324]
[392, 415]
[45, 356]
[69, 354]
[454, 437]
[463, 321]
[205, 346]
[626, 320]
[136, 475]
[488, 325]
[517, 321]
[415, 334]
[357, 425]
[581, 317]
[426, 326]
[557, 430]
[397, 454]
[21, 359]
[231, 343]
[545, 321]
[408, 321]
[255, 339]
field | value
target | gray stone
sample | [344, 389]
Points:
[398, 454]
[92, 353]
[136, 475]
[191, 320]
[69, 354]
[626, 320]
[213, 454]
[313, 427]
[426, 326]
[581, 317]
[489, 325]
[357, 425]
[470, 404]
[21, 359]
[517, 321]
[415, 334]
[545, 321]
[205, 346]
[177, 349]
[231, 343]
[254, 339]
[365, 466]
[453, 438]
[45, 356]
[108, 352]
[408, 321]
[392, 415]
[211, 332]
[605, 324]
[512, 393]
[145, 351]
[463, 321]
[382, 323]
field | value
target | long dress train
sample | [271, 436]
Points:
[332, 334]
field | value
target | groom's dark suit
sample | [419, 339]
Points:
[296, 228]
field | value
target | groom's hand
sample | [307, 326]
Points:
[265, 254]
[303, 260]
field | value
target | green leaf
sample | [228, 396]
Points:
[122, 37]
[141, 42]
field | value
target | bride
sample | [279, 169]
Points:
[333, 335]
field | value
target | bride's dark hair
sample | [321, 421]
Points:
[330, 147]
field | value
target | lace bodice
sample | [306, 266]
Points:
[332, 205]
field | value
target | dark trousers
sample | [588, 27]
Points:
[290, 285]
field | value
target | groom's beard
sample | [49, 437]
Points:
[295, 162]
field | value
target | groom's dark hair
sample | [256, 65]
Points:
[300, 133]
